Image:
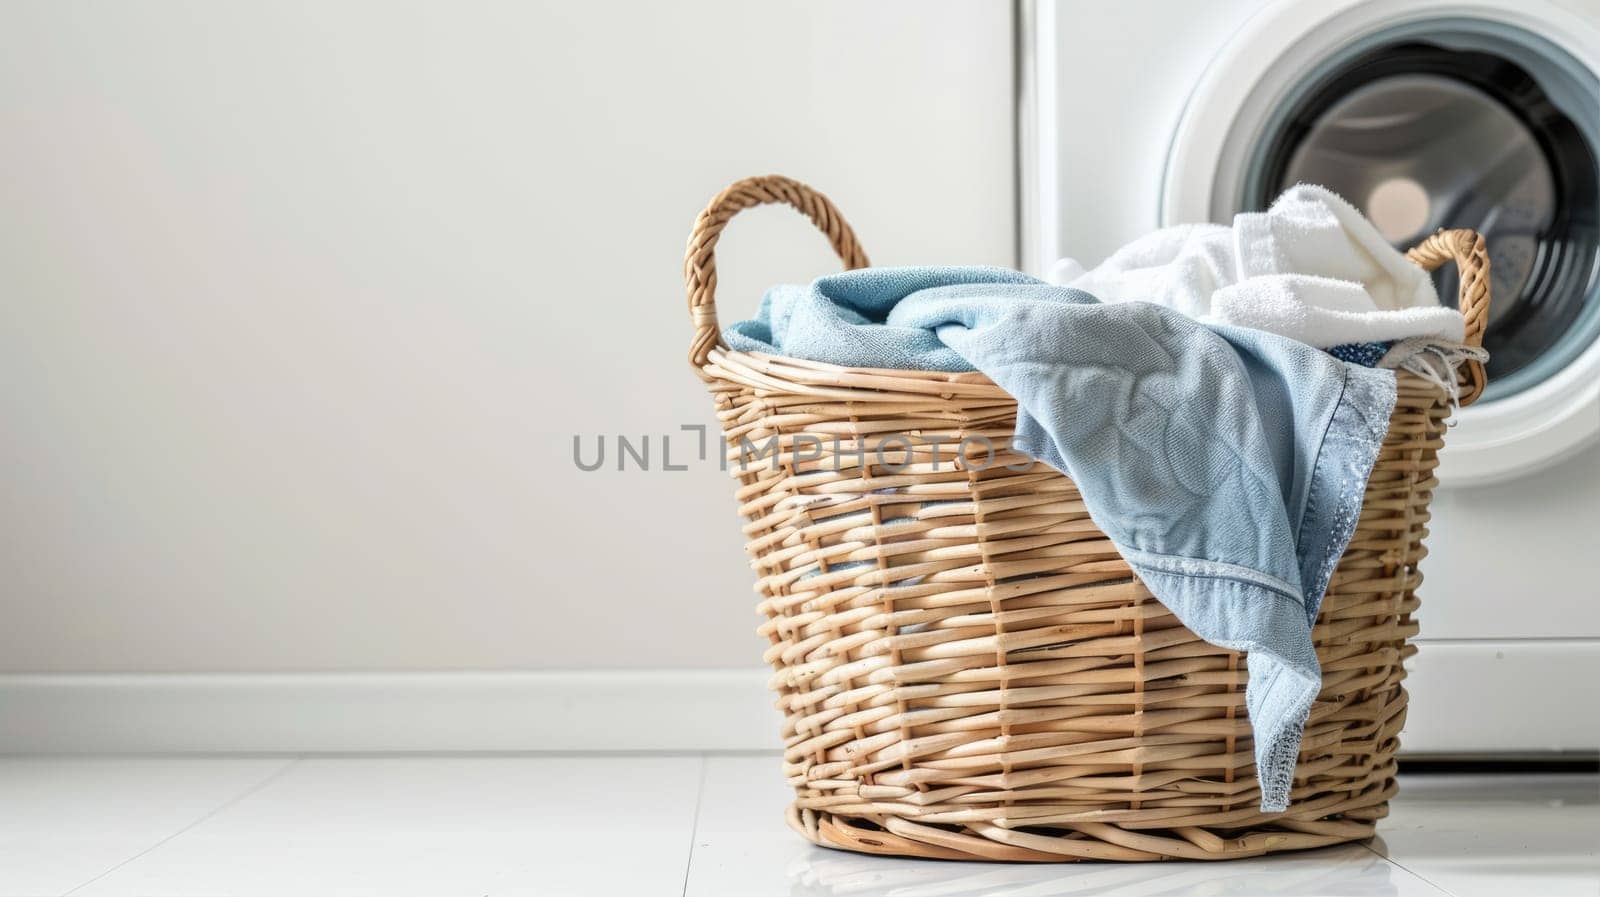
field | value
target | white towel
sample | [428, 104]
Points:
[1311, 268]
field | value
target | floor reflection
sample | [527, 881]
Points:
[1346, 869]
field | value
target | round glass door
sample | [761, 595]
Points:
[1468, 131]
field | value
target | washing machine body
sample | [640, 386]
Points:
[1424, 113]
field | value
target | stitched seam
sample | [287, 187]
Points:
[1317, 467]
[1348, 497]
[1175, 565]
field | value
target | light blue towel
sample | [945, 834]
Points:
[1228, 465]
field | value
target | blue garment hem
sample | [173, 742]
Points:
[1284, 674]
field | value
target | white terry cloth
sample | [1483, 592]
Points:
[1311, 268]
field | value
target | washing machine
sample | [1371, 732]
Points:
[1425, 114]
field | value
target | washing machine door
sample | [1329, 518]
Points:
[1481, 114]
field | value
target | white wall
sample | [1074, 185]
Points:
[301, 305]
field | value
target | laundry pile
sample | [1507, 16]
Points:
[1312, 268]
[1184, 387]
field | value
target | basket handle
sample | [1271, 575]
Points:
[700, 261]
[1466, 248]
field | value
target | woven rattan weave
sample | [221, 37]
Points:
[966, 667]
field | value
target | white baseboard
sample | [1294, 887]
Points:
[1467, 696]
[1503, 697]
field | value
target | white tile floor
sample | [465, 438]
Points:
[669, 825]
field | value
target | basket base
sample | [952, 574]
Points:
[897, 836]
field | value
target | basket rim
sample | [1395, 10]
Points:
[780, 373]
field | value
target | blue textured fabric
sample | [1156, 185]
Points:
[1364, 354]
[1228, 465]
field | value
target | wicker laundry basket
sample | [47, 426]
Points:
[993, 683]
